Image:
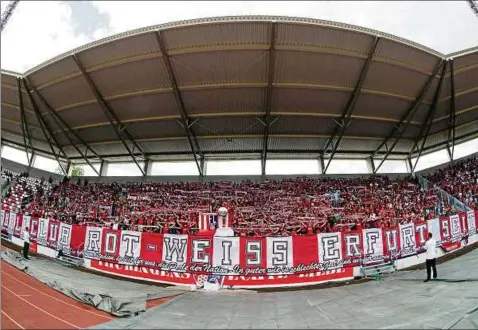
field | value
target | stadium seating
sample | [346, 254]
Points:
[460, 180]
[287, 207]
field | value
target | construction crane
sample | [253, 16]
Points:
[474, 6]
[7, 13]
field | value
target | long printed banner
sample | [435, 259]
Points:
[241, 256]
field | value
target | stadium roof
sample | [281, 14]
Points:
[255, 87]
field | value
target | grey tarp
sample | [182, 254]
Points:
[118, 297]
[400, 301]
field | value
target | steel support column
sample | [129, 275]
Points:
[452, 117]
[112, 117]
[268, 99]
[193, 142]
[345, 120]
[429, 119]
[24, 124]
[57, 116]
[403, 123]
[57, 122]
[44, 127]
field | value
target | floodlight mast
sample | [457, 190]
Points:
[474, 6]
[7, 13]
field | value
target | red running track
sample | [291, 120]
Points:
[29, 304]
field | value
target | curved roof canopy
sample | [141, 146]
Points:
[244, 87]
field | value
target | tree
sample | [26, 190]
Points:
[74, 170]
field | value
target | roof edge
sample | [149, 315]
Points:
[229, 19]
[12, 73]
[462, 52]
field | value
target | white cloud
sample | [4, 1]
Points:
[38, 31]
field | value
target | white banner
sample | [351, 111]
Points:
[471, 222]
[281, 254]
[226, 253]
[407, 239]
[12, 223]
[130, 247]
[372, 245]
[93, 241]
[330, 249]
[64, 236]
[434, 228]
[175, 251]
[455, 227]
[42, 231]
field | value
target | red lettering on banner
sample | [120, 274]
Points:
[34, 226]
[52, 235]
[445, 228]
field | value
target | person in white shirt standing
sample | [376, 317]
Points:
[26, 243]
[430, 247]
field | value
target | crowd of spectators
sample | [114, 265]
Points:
[286, 207]
[460, 180]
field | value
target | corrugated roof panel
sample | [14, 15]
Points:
[145, 106]
[370, 128]
[89, 114]
[467, 101]
[149, 130]
[466, 80]
[12, 127]
[131, 77]
[466, 129]
[394, 80]
[302, 125]
[224, 100]
[26, 101]
[435, 139]
[120, 49]
[443, 109]
[360, 145]
[173, 157]
[446, 86]
[467, 117]
[230, 144]
[439, 126]
[98, 134]
[411, 56]
[422, 113]
[10, 96]
[411, 132]
[380, 106]
[8, 79]
[318, 36]
[221, 67]
[110, 149]
[291, 156]
[11, 113]
[228, 126]
[286, 144]
[429, 96]
[61, 95]
[315, 68]
[403, 146]
[176, 145]
[304, 100]
[62, 139]
[465, 61]
[201, 36]
[54, 71]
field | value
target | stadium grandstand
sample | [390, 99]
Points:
[208, 99]
[305, 138]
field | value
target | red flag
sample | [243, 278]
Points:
[151, 249]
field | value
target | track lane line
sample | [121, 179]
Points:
[40, 309]
[57, 299]
[11, 319]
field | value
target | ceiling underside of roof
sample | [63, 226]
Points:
[244, 88]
